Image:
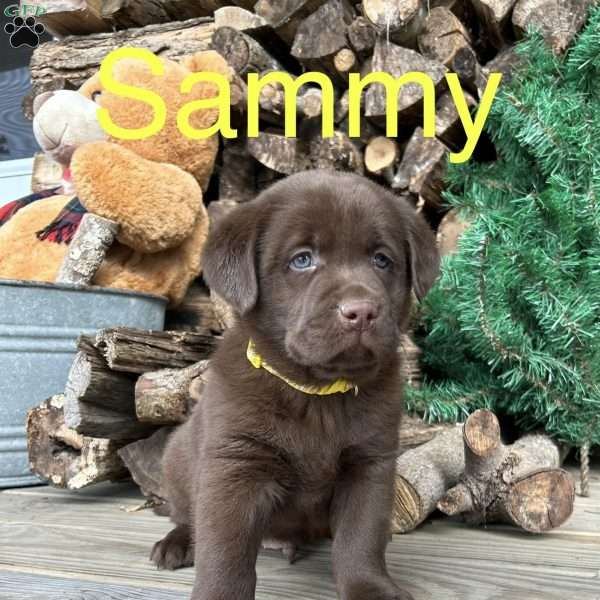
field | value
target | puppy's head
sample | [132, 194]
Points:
[322, 265]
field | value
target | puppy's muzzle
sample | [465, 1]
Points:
[358, 315]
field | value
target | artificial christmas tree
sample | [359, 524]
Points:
[514, 321]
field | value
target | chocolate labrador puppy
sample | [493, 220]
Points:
[296, 433]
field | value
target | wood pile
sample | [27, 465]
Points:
[471, 38]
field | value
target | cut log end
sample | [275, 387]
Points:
[408, 509]
[381, 152]
[541, 501]
[458, 500]
[482, 433]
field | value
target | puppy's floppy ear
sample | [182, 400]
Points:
[424, 255]
[230, 257]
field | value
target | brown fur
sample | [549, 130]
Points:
[259, 459]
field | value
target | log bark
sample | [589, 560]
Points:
[322, 35]
[279, 153]
[443, 35]
[558, 20]
[286, 15]
[163, 397]
[236, 172]
[362, 36]
[143, 460]
[66, 64]
[337, 153]
[422, 169]
[399, 21]
[138, 351]
[87, 250]
[423, 475]
[398, 61]
[448, 126]
[99, 402]
[466, 65]
[122, 14]
[238, 18]
[494, 16]
[521, 484]
[243, 53]
[414, 432]
[65, 458]
[68, 17]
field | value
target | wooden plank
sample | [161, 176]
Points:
[26, 586]
[81, 536]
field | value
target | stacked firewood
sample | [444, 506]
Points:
[337, 37]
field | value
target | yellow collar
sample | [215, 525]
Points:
[339, 386]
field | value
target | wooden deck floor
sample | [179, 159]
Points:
[57, 545]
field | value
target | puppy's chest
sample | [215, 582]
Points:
[315, 439]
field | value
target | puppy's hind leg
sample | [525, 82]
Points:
[176, 550]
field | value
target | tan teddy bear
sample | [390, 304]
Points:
[152, 188]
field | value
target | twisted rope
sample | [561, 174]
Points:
[584, 463]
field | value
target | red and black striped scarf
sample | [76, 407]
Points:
[62, 228]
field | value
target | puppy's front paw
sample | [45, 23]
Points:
[175, 550]
[376, 589]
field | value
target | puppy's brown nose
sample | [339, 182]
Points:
[358, 314]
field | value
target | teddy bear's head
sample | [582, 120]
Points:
[65, 120]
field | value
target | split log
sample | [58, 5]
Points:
[46, 173]
[99, 402]
[558, 20]
[338, 153]
[66, 64]
[236, 172]
[381, 154]
[68, 17]
[65, 458]
[398, 61]
[143, 460]
[399, 21]
[466, 65]
[122, 14]
[322, 35]
[243, 53]
[422, 169]
[423, 475]
[494, 16]
[163, 397]
[448, 126]
[279, 153]
[139, 351]
[507, 62]
[286, 15]
[521, 484]
[362, 36]
[87, 250]
[238, 18]
[443, 35]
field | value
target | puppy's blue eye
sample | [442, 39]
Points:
[302, 261]
[381, 261]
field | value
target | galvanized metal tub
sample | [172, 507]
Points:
[39, 327]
